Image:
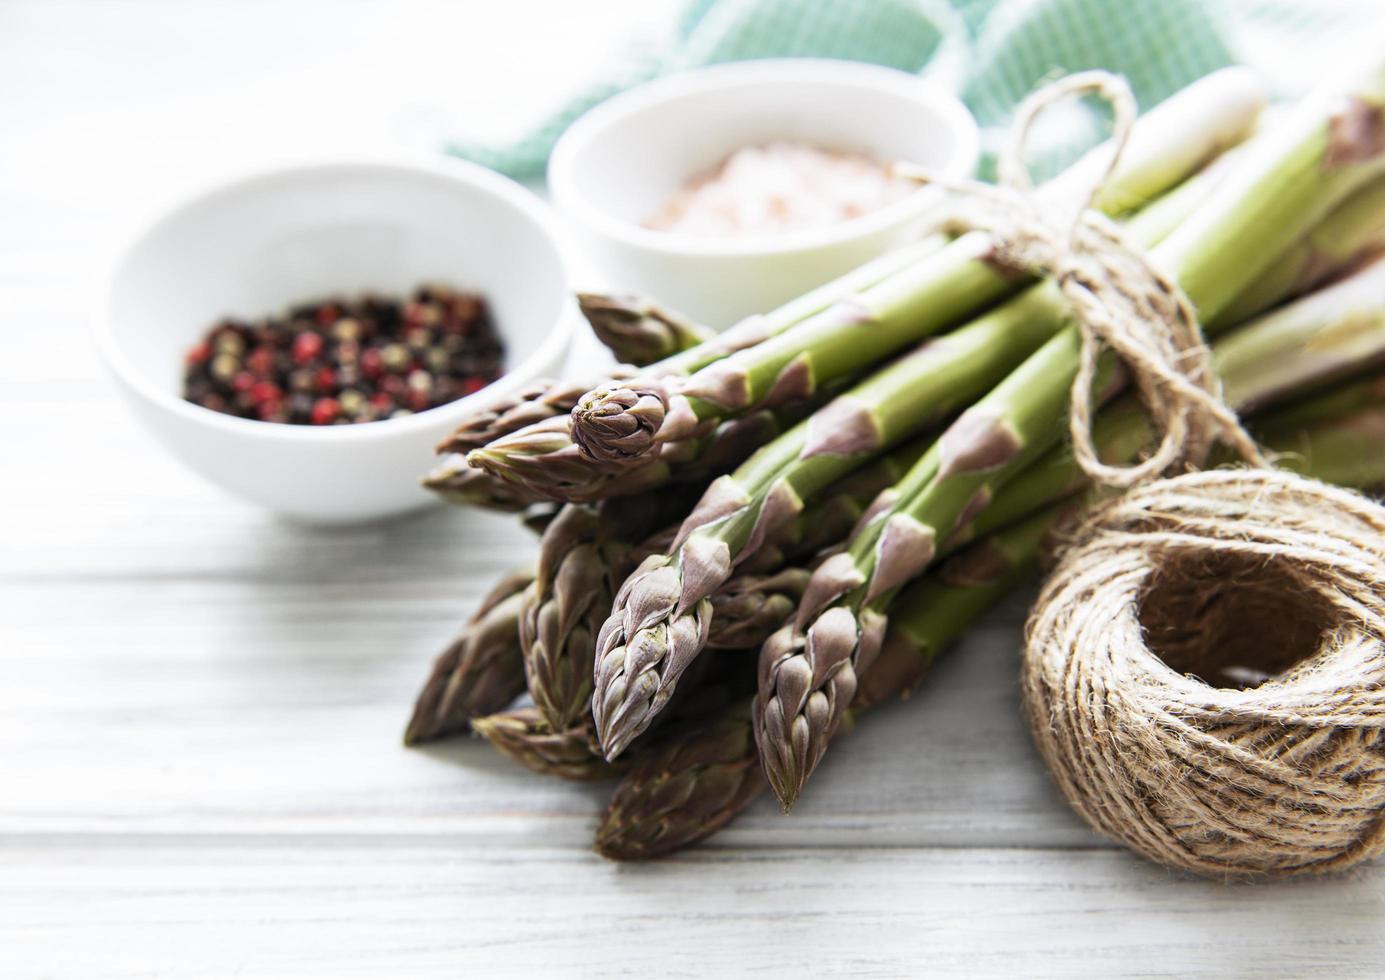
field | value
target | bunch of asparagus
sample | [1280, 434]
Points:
[749, 538]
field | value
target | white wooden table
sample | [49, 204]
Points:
[200, 705]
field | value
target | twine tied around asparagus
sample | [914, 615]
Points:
[1203, 670]
[1119, 300]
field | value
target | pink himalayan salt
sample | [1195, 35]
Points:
[780, 187]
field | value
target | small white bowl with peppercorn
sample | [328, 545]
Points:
[726, 191]
[304, 336]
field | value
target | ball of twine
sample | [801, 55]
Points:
[1170, 599]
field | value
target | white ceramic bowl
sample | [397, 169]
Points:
[255, 245]
[615, 167]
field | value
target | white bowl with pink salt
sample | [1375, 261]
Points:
[726, 191]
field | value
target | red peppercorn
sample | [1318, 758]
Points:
[325, 411]
[243, 381]
[261, 360]
[417, 400]
[372, 363]
[200, 353]
[306, 346]
[265, 392]
[326, 379]
[382, 402]
[474, 384]
[327, 314]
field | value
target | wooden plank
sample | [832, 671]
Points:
[418, 908]
[274, 705]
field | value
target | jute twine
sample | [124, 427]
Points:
[1204, 670]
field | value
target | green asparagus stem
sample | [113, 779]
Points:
[637, 330]
[1352, 234]
[480, 673]
[525, 737]
[637, 667]
[1344, 450]
[1288, 180]
[1323, 336]
[918, 298]
[1339, 402]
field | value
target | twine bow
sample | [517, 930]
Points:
[1119, 299]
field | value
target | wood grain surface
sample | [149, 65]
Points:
[200, 705]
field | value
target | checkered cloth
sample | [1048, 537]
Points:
[991, 52]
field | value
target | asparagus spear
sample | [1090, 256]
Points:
[583, 556]
[665, 602]
[525, 737]
[631, 328]
[748, 608]
[637, 330]
[480, 673]
[1285, 184]
[543, 399]
[455, 481]
[1343, 450]
[1352, 234]
[542, 461]
[1339, 402]
[1323, 336]
[698, 777]
[536, 517]
[687, 788]
[922, 296]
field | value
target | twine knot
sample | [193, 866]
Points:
[1119, 299]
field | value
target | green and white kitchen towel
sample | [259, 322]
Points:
[990, 52]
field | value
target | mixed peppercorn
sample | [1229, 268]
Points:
[337, 361]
